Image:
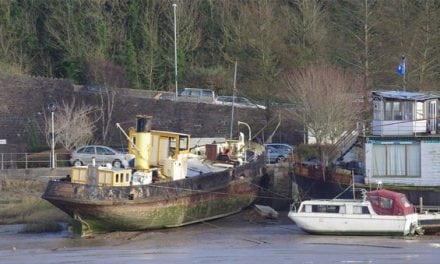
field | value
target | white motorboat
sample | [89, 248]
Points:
[379, 212]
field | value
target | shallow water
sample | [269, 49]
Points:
[236, 239]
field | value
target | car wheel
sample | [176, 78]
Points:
[77, 163]
[117, 164]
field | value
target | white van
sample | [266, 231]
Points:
[197, 95]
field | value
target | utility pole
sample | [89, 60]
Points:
[52, 107]
[175, 47]
[233, 100]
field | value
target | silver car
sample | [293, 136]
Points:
[198, 95]
[239, 101]
[102, 154]
[278, 152]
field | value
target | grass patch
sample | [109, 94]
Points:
[21, 203]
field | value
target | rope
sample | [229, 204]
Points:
[223, 193]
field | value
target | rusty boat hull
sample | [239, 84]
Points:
[96, 209]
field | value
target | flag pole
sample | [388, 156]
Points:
[401, 70]
[404, 73]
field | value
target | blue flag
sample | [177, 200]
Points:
[401, 69]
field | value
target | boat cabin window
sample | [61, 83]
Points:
[386, 203]
[318, 208]
[405, 201]
[381, 201]
[183, 142]
[374, 199]
[361, 210]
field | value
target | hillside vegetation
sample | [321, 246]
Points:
[131, 43]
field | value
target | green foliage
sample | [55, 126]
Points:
[267, 38]
[75, 68]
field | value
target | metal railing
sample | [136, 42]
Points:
[33, 160]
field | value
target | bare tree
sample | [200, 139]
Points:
[110, 76]
[73, 126]
[328, 101]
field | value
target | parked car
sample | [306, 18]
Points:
[199, 95]
[239, 101]
[311, 161]
[277, 152]
[102, 154]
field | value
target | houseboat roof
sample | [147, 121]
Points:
[404, 95]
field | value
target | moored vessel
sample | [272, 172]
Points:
[379, 212]
[168, 186]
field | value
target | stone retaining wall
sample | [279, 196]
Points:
[24, 100]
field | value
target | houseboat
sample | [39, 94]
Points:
[168, 186]
[401, 150]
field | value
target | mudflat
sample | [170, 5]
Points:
[240, 238]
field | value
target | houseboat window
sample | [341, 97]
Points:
[127, 177]
[361, 210]
[408, 110]
[117, 177]
[396, 160]
[397, 113]
[419, 111]
[386, 203]
[388, 111]
[393, 111]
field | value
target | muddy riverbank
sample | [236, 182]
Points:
[241, 238]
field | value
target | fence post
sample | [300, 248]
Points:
[26, 160]
[2, 162]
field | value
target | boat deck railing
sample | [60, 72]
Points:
[427, 209]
